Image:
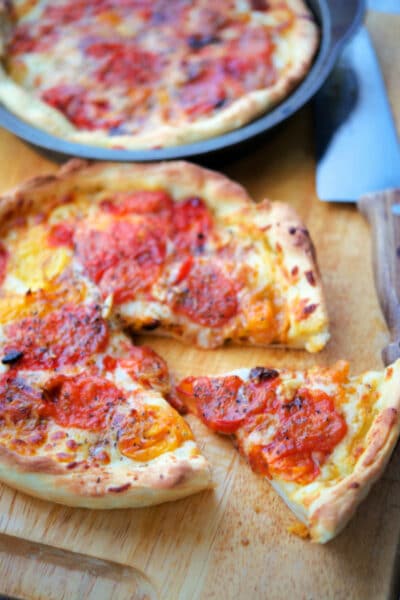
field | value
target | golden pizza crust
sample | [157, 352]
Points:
[276, 224]
[171, 476]
[329, 514]
[301, 43]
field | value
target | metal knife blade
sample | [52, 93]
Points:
[359, 160]
[356, 142]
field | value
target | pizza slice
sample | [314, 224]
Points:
[83, 420]
[95, 438]
[321, 437]
[171, 249]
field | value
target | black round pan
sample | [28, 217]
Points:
[338, 20]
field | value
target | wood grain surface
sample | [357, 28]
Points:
[233, 543]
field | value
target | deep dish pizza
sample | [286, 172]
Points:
[144, 74]
[95, 249]
[321, 437]
[171, 249]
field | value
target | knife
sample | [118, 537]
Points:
[358, 160]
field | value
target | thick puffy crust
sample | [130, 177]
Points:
[173, 475]
[291, 241]
[179, 177]
[279, 234]
[336, 505]
[326, 504]
[297, 51]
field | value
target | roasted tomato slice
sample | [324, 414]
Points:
[309, 428]
[151, 431]
[219, 401]
[123, 260]
[83, 401]
[207, 296]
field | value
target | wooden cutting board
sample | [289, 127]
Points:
[230, 543]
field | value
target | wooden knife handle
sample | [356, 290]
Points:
[382, 210]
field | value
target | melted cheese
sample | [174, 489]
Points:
[33, 264]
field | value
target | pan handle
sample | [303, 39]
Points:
[339, 20]
[382, 210]
[346, 16]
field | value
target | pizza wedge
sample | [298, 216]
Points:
[321, 437]
[83, 416]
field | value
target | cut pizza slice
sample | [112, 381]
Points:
[83, 420]
[170, 248]
[95, 439]
[321, 437]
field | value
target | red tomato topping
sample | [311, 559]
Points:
[157, 203]
[83, 401]
[84, 111]
[18, 401]
[224, 403]
[3, 262]
[67, 336]
[191, 223]
[209, 297]
[125, 259]
[61, 234]
[123, 63]
[218, 401]
[309, 429]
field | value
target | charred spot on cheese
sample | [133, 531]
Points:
[310, 278]
[12, 357]
[263, 374]
[120, 488]
[151, 325]
[309, 309]
[198, 41]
